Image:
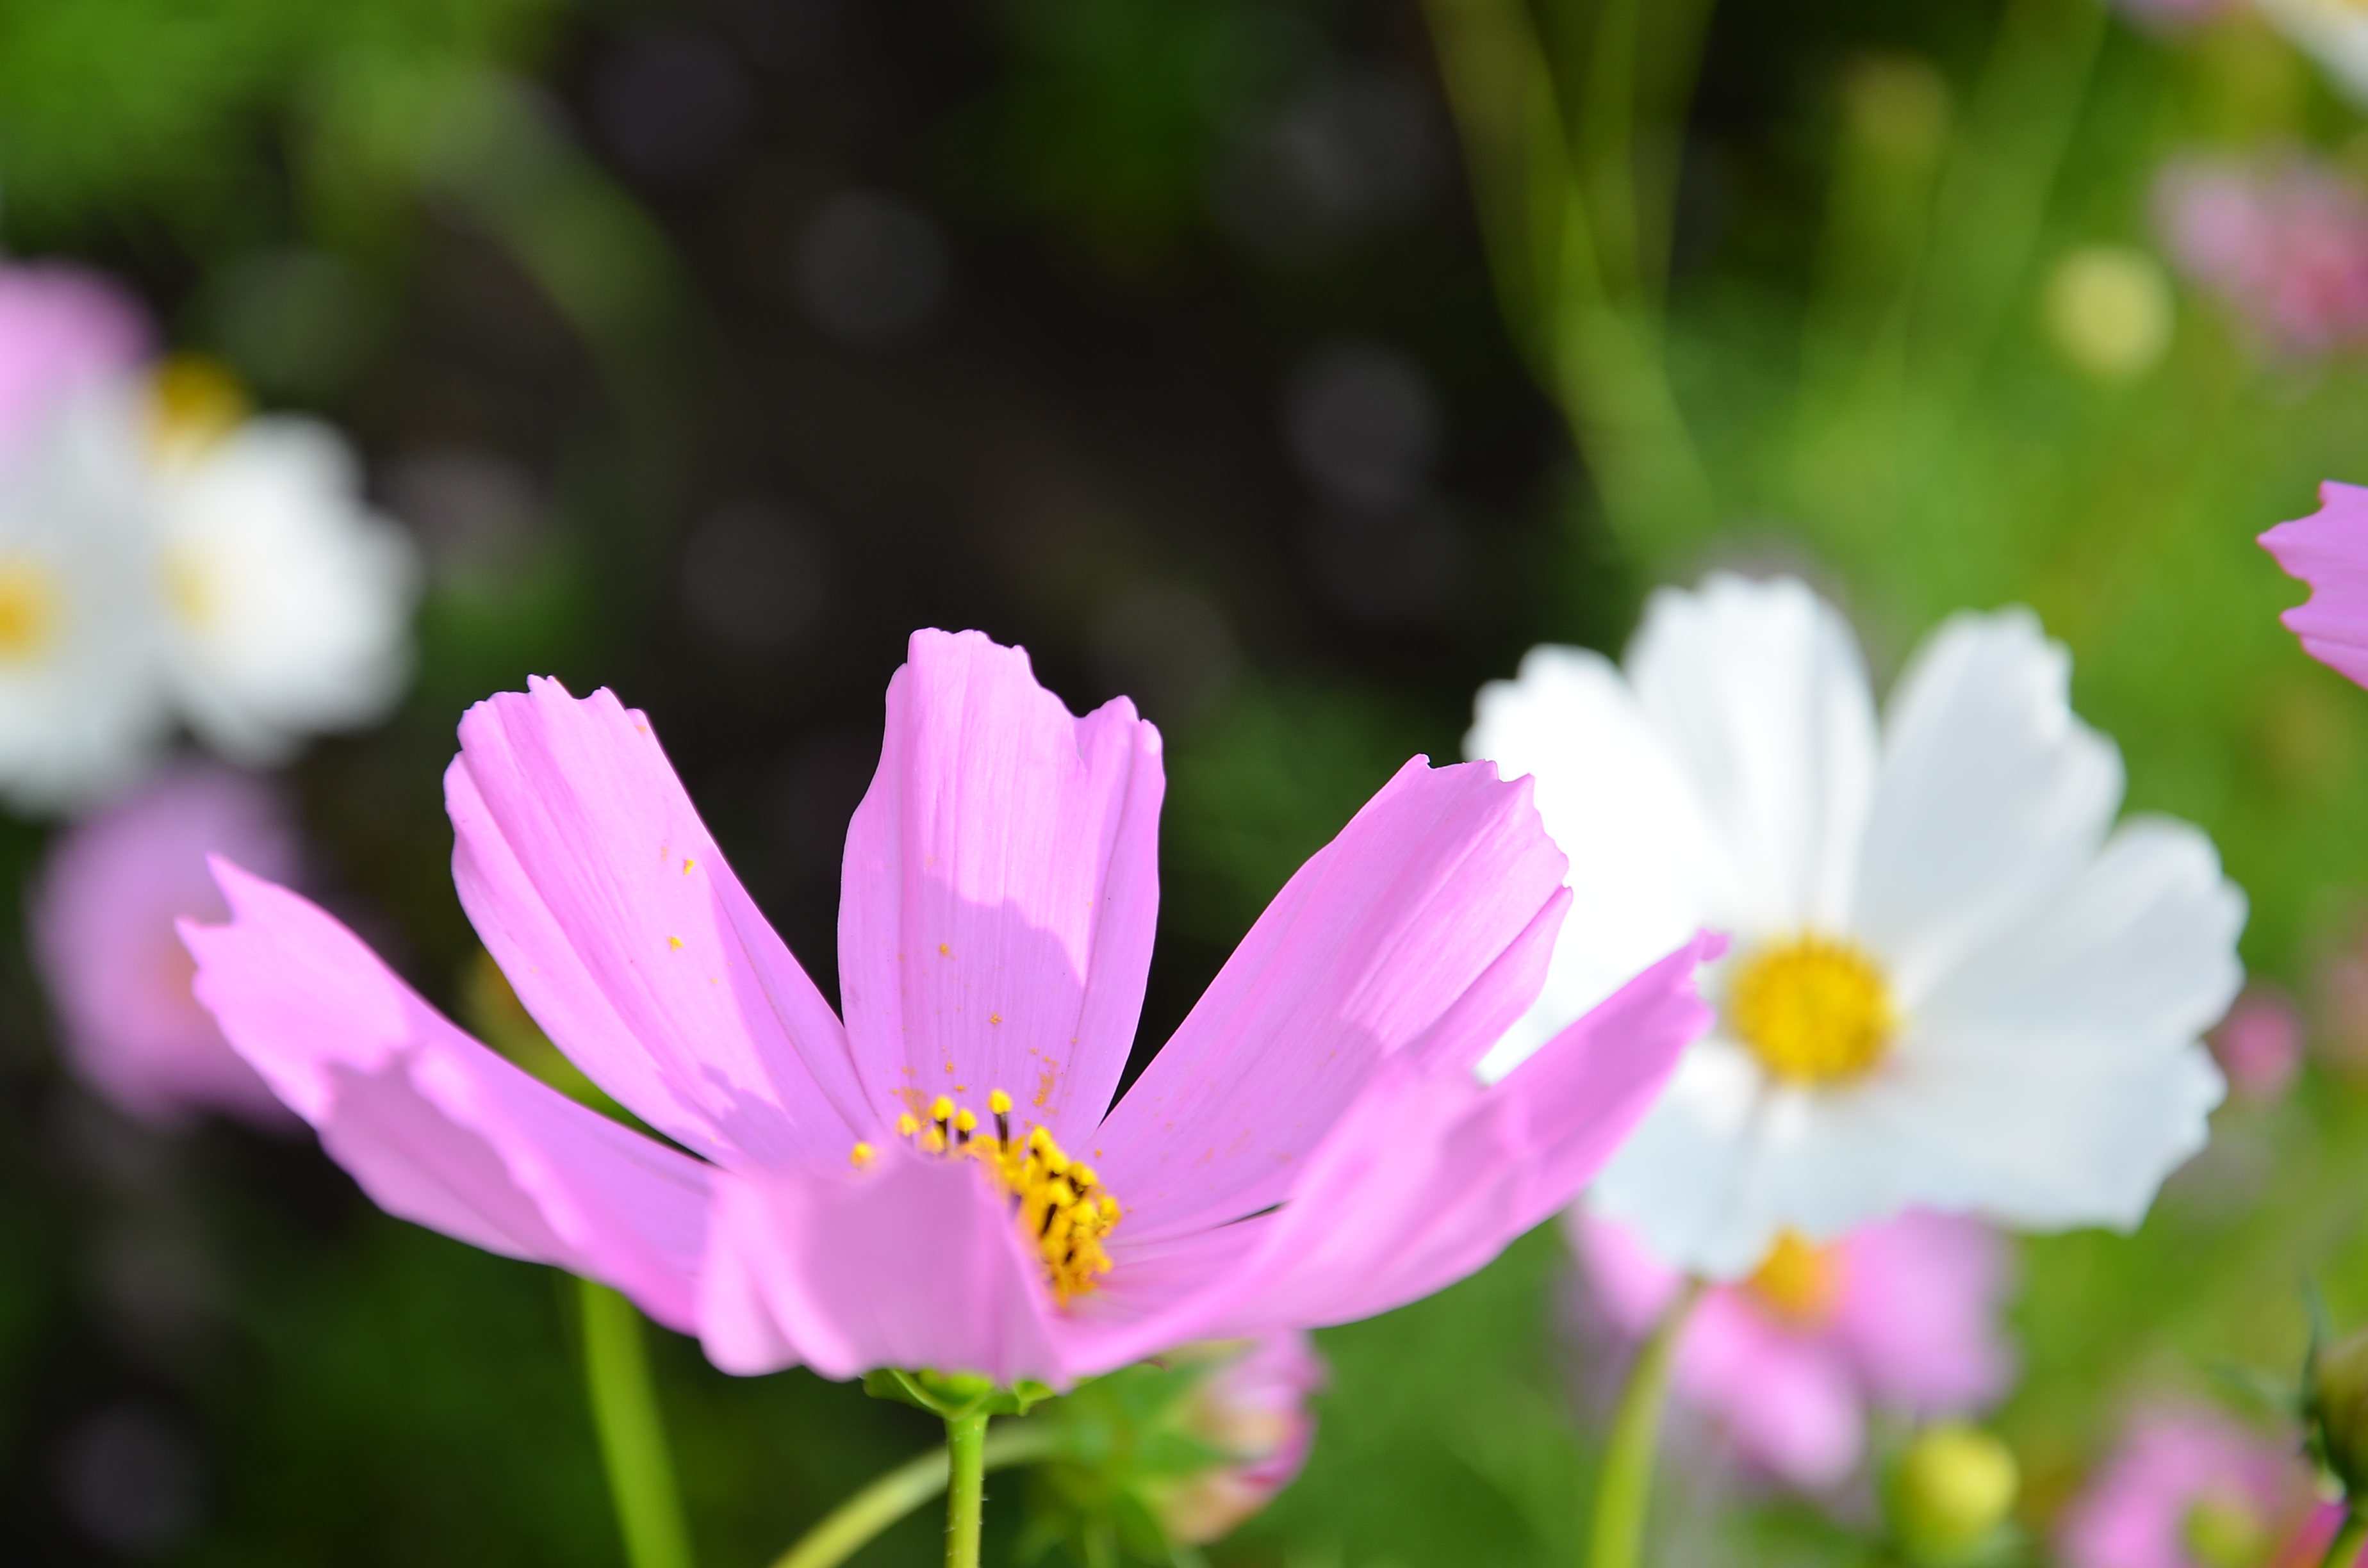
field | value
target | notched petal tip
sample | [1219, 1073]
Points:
[2329, 550]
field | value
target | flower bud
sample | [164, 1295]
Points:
[2109, 311]
[1950, 1493]
[1253, 1409]
[2223, 1529]
[2338, 1410]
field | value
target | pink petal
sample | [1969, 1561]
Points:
[1001, 887]
[2328, 550]
[115, 967]
[1787, 1400]
[1431, 1175]
[592, 880]
[60, 328]
[435, 1127]
[913, 1263]
[1425, 925]
[1635, 1287]
[1918, 1314]
[2133, 1512]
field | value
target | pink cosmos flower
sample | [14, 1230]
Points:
[1900, 1315]
[118, 975]
[2284, 241]
[1255, 1408]
[934, 1183]
[2189, 1489]
[60, 327]
[2328, 550]
[2259, 1044]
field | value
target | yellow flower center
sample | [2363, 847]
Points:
[189, 588]
[28, 608]
[1799, 1283]
[1813, 1010]
[193, 401]
[1057, 1202]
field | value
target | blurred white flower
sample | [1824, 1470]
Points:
[162, 555]
[289, 602]
[1954, 984]
[2333, 32]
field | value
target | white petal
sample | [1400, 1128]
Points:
[2332, 30]
[2142, 944]
[295, 601]
[82, 709]
[1992, 796]
[1685, 1181]
[1757, 691]
[2054, 1080]
[1642, 866]
[2061, 1066]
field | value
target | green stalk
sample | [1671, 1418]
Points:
[1625, 1489]
[2344, 1550]
[633, 1438]
[854, 1522]
[965, 1486]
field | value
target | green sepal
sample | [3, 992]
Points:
[955, 1394]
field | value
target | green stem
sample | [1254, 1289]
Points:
[1625, 1486]
[965, 1486]
[2344, 1550]
[633, 1439]
[854, 1522]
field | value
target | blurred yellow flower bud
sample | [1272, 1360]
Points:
[2109, 311]
[1950, 1493]
[2223, 1529]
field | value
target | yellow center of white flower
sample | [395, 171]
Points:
[189, 589]
[1058, 1203]
[193, 401]
[1799, 1283]
[28, 608]
[1813, 1010]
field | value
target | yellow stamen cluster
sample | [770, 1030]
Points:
[193, 403]
[30, 609]
[1813, 1010]
[1799, 1282]
[1057, 1202]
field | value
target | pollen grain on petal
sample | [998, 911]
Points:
[673, 944]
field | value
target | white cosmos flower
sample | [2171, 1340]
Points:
[163, 556]
[290, 602]
[1954, 984]
[81, 711]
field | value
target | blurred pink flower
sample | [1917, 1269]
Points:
[2328, 550]
[118, 975]
[1311, 1147]
[59, 328]
[2282, 241]
[2259, 1044]
[2191, 1489]
[1900, 1315]
[1253, 1407]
